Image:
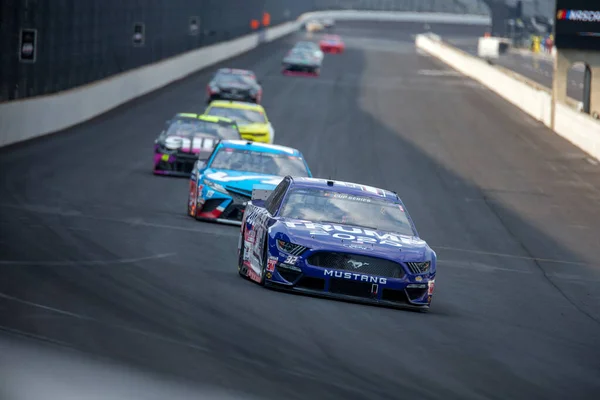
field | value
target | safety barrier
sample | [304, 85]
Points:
[26, 119]
[431, 18]
[534, 99]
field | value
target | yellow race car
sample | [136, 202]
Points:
[251, 119]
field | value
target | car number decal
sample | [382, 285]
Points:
[291, 260]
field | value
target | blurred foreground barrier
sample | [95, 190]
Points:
[26, 119]
[536, 100]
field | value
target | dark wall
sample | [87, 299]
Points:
[80, 41]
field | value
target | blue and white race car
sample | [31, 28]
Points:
[336, 239]
[221, 185]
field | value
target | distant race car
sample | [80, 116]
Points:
[336, 239]
[251, 119]
[301, 61]
[310, 47]
[234, 84]
[328, 23]
[187, 137]
[221, 186]
[332, 44]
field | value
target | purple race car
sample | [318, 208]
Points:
[336, 239]
[187, 138]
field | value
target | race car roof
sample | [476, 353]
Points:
[207, 118]
[236, 104]
[344, 187]
[306, 43]
[235, 71]
[260, 147]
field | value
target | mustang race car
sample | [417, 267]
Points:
[185, 138]
[336, 239]
[332, 44]
[221, 186]
[301, 62]
[328, 23]
[251, 119]
[234, 84]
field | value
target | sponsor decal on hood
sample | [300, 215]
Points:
[253, 127]
[243, 181]
[355, 235]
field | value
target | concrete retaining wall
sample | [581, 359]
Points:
[535, 100]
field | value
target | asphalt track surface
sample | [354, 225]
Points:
[537, 67]
[97, 254]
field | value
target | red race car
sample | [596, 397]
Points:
[332, 44]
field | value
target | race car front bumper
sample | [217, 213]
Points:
[256, 137]
[332, 49]
[244, 96]
[408, 291]
[224, 208]
[301, 69]
[174, 164]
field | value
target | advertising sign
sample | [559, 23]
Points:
[577, 24]
[28, 45]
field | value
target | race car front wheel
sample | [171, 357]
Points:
[265, 261]
[241, 254]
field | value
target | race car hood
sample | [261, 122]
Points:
[253, 128]
[353, 239]
[241, 182]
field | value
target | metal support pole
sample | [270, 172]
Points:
[587, 89]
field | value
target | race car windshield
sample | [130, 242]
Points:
[241, 116]
[301, 54]
[259, 162]
[189, 127]
[326, 206]
[232, 79]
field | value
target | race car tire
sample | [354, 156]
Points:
[196, 217]
[265, 261]
[241, 257]
[189, 207]
[242, 252]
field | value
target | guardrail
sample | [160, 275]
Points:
[26, 119]
[426, 17]
[536, 100]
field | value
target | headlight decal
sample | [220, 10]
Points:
[419, 267]
[215, 186]
[290, 248]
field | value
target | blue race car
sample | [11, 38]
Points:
[336, 239]
[221, 185]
